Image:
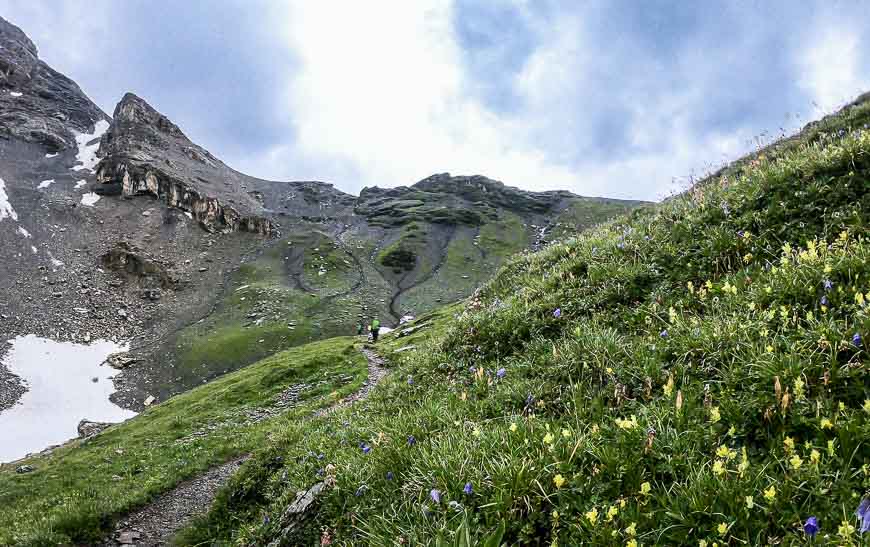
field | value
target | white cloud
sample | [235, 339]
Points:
[831, 66]
[381, 89]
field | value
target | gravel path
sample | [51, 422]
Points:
[158, 522]
[376, 374]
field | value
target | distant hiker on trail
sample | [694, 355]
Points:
[360, 328]
[375, 328]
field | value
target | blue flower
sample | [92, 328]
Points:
[321, 456]
[410, 381]
[366, 448]
[811, 527]
[390, 475]
[664, 333]
[501, 373]
[557, 313]
[856, 340]
[265, 519]
[824, 301]
[468, 489]
[828, 285]
[359, 491]
[435, 494]
[863, 514]
[411, 440]
[471, 369]
[320, 472]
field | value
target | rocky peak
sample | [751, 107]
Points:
[133, 110]
[18, 55]
[144, 153]
[38, 104]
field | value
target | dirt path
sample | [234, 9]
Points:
[157, 523]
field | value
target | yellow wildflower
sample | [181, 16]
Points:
[631, 529]
[718, 467]
[866, 406]
[789, 445]
[770, 493]
[513, 427]
[796, 462]
[830, 448]
[715, 416]
[612, 512]
[798, 389]
[558, 480]
[769, 349]
[722, 451]
[846, 530]
[826, 424]
[859, 298]
[566, 433]
[815, 456]
[669, 387]
[548, 438]
[476, 432]
[709, 284]
[841, 406]
[732, 431]
[750, 502]
[645, 488]
[631, 543]
[592, 515]
[722, 528]
[702, 543]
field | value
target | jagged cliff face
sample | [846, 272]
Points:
[122, 228]
[143, 153]
[37, 104]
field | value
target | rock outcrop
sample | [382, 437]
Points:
[37, 103]
[144, 153]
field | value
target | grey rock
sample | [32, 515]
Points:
[87, 428]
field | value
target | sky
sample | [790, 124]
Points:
[603, 98]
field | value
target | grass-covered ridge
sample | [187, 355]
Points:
[692, 374]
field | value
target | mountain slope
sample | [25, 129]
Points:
[122, 228]
[694, 372]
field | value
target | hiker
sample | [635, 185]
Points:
[375, 328]
[360, 328]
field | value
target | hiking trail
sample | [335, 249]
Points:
[156, 523]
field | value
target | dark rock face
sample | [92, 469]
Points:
[38, 104]
[133, 263]
[146, 154]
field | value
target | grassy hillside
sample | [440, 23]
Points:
[694, 374]
[75, 491]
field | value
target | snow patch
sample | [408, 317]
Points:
[6, 209]
[34, 249]
[23, 232]
[90, 199]
[81, 183]
[15, 93]
[54, 262]
[87, 154]
[66, 383]
[51, 155]
[45, 183]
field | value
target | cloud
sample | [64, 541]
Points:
[831, 66]
[597, 97]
